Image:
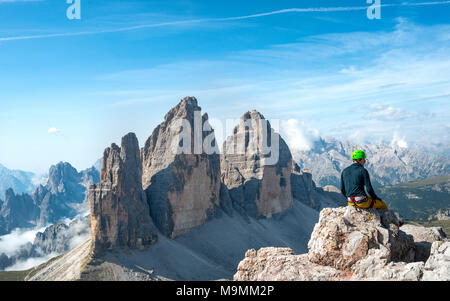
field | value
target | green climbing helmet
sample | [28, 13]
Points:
[358, 154]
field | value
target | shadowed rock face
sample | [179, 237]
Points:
[303, 187]
[119, 209]
[305, 190]
[183, 188]
[423, 239]
[256, 168]
[18, 210]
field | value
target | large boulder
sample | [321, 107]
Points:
[281, 264]
[346, 235]
[351, 244]
[181, 170]
[256, 168]
[437, 266]
[120, 216]
[423, 239]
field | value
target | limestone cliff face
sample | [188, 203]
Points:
[181, 177]
[304, 190]
[119, 210]
[303, 187]
[256, 167]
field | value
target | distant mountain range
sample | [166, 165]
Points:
[20, 181]
[63, 196]
[387, 165]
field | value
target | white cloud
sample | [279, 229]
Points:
[53, 130]
[39, 179]
[387, 113]
[209, 20]
[79, 239]
[11, 1]
[11, 243]
[298, 136]
[400, 72]
[398, 142]
[29, 263]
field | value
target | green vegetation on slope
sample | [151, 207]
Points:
[13, 275]
[418, 200]
[20, 275]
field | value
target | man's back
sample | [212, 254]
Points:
[353, 180]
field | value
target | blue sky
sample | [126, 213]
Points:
[69, 88]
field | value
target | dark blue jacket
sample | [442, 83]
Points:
[353, 180]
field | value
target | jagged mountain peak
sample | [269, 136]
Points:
[63, 171]
[20, 181]
[252, 114]
[120, 214]
[9, 193]
[253, 119]
[189, 101]
[174, 166]
[125, 157]
[184, 109]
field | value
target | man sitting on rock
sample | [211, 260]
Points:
[353, 180]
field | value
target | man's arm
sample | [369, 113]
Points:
[342, 185]
[368, 185]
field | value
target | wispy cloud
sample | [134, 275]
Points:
[206, 20]
[18, 1]
[398, 142]
[387, 113]
[53, 130]
[397, 73]
[23, 265]
[11, 243]
[298, 135]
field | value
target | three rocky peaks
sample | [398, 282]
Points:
[160, 189]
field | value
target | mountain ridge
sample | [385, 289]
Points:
[387, 165]
[62, 197]
[20, 181]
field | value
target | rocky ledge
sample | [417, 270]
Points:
[351, 244]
